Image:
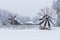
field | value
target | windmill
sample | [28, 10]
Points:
[13, 21]
[46, 18]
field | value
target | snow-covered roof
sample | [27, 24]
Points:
[29, 22]
[17, 19]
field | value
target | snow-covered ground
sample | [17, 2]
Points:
[30, 34]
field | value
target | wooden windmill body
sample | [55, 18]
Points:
[13, 21]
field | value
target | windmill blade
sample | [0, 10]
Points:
[14, 16]
[49, 24]
[41, 22]
[40, 14]
[51, 13]
[53, 18]
[47, 10]
[45, 23]
[43, 11]
[40, 19]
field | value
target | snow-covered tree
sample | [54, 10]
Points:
[35, 20]
[4, 16]
[25, 19]
[56, 6]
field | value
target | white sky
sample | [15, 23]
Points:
[25, 7]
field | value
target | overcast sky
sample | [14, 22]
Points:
[25, 7]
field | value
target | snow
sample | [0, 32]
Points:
[30, 22]
[30, 34]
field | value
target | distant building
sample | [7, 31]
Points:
[13, 21]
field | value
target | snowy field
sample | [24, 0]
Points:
[30, 34]
[18, 27]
